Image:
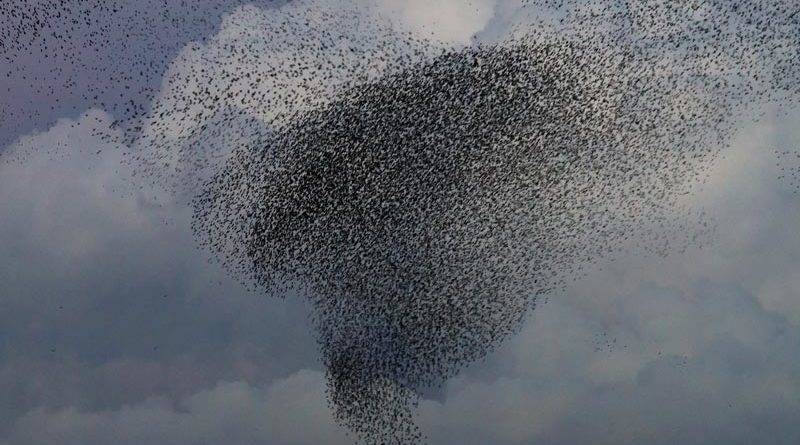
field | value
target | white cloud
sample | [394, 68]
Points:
[450, 21]
[263, 66]
[58, 185]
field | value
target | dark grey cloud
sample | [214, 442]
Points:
[106, 300]
[290, 411]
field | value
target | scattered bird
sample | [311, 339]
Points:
[423, 198]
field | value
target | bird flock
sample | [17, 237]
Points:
[424, 197]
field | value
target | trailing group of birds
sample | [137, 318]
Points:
[424, 197]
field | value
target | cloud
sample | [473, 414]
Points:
[262, 67]
[696, 348]
[106, 300]
[681, 349]
[290, 411]
[661, 366]
[451, 21]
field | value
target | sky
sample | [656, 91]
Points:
[115, 328]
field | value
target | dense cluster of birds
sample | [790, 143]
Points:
[423, 197]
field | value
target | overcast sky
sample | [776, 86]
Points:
[114, 329]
